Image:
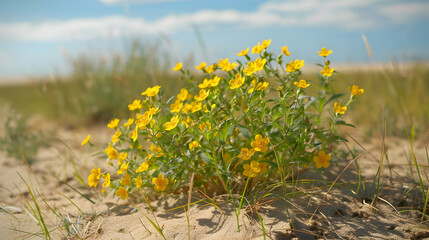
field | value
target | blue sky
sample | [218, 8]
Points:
[36, 37]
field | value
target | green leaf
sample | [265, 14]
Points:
[342, 122]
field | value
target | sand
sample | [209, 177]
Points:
[309, 211]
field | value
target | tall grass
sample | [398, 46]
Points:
[395, 93]
[96, 90]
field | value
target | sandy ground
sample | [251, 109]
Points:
[312, 212]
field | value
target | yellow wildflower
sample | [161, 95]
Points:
[226, 65]
[121, 192]
[196, 106]
[135, 105]
[193, 144]
[210, 69]
[116, 136]
[324, 52]
[187, 121]
[205, 84]
[250, 69]
[202, 126]
[243, 52]
[260, 143]
[301, 84]
[259, 87]
[156, 149]
[201, 66]
[265, 43]
[178, 66]
[122, 157]
[125, 180]
[153, 111]
[285, 51]
[143, 119]
[257, 49]
[94, 176]
[123, 168]
[134, 134]
[251, 170]
[322, 159]
[143, 167]
[152, 123]
[113, 123]
[214, 81]
[327, 71]
[355, 90]
[223, 62]
[339, 109]
[151, 91]
[106, 180]
[182, 95]
[160, 182]
[111, 152]
[208, 83]
[259, 64]
[293, 66]
[172, 124]
[202, 95]
[186, 108]
[139, 182]
[246, 154]
[237, 82]
[176, 106]
[86, 140]
[129, 122]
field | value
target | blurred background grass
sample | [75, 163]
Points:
[98, 90]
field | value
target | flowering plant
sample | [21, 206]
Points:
[248, 123]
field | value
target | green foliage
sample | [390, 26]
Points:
[18, 141]
[245, 126]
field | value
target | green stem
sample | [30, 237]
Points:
[241, 203]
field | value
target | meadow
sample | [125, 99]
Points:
[110, 151]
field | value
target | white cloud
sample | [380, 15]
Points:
[402, 12]
[346, 14]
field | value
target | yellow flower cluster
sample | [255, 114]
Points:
[236, 82]
[151, 91]
[254, 66]
[135, 105]
[205, 125]
[258, 87]
[226, 65]
[254, 168]
[259, 145]
[113, 123]
[293, 66]
[258, 48]
[93, 177]
[209, 83]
